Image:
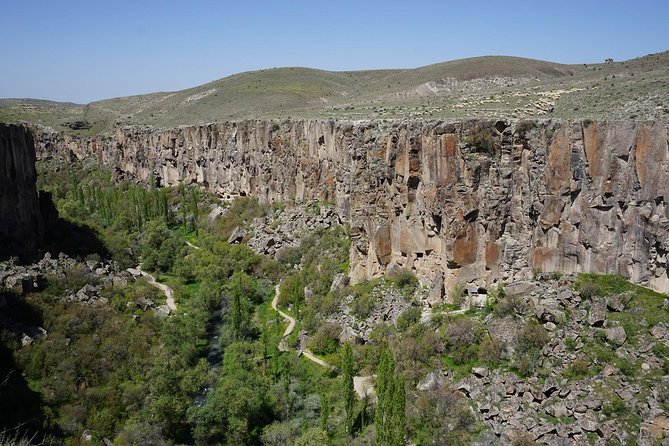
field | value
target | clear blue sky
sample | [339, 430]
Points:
[84, 50]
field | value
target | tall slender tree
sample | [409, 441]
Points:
[398, 413]
[325, 412]
[390, 416]
[347, 385]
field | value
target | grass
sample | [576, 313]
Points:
[483, 87]
[459, 370]
[643, 311]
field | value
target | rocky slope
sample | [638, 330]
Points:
[470, 202]
[599, 377]
[22, 223]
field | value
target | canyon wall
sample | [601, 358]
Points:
[21, 222]
[433, 196]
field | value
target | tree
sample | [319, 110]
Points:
[325, 412]
[390, 409]
[242, 289]
[193, 210]
[398, 413]
[347, 385]
[312, 437]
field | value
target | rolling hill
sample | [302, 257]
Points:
[489, 86]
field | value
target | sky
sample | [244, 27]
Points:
[86, 50]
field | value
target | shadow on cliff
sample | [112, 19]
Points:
[73, 239]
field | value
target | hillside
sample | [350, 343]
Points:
[490, 86]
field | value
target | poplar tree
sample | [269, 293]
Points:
[325, 412]
[347, 385]
[390, 416]
[398, 413]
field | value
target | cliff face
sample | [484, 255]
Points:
[21, 223]
[437, 197]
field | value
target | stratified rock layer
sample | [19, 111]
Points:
[21, 223]
[434, 196]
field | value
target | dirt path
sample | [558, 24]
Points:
[427, 315]
[169, 292]
[311, 357]
[290, 319]
[192, 245]
[361, 384]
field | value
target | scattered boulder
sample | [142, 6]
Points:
[597, 314]
[616, 335]
[237, 235]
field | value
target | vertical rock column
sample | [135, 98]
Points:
[21, 224]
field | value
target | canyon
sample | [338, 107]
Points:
[458, 202]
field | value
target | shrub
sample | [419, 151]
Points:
[462, 340]
[363, 304]
[456, 294]
[532, 337]
[76, 276]
[578, 368]
[408, 318]
[325, 340]
[508, 306]
[615, 406]
[490, 350]
[589, 290]
[525, 366]
[570, 344]
[405, 280]
[525, 126]
[481, 138]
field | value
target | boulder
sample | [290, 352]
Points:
[597, 313]
[237, 235]
[616, 335]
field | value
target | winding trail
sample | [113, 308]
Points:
[362, 385]
[192, 245]
[169, 292]
[290, 319]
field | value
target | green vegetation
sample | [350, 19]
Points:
[481, 138]
[390, 410]
[347, 386]
[133, 377]
[645, 307]
[405, 280]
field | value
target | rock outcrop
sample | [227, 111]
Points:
[469, 202]
[22, 224]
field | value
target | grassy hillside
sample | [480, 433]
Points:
[490, 86]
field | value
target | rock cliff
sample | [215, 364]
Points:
[469, 202]
[21, 222]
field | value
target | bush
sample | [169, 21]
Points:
[532, 337]
[405, 280]
[524, 126]
[481, 138]
[456, 294]
[363, 304]
[615, 406]
[579, 368]
[508, 306]
[326, 340]
[408, 318]
[462, 340]
[490, 350]
[523, 439]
